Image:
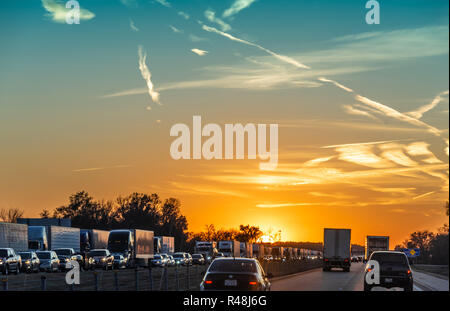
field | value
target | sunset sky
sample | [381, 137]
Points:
[362, 109]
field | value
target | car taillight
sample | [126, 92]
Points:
[345, 259]
[369, 269]
[326, 259]
[252, 283]
[208, 282]
[408, 271]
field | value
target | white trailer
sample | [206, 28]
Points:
[167, 244]
[376, 243]
[63, 237]
[336, 249]
[14, 236]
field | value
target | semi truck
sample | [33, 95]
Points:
[207, 249]
[246, 249]
[164, 244]
[375, 243]
[63, 237]
[14, 236]
[93, 239]
[336, 249]
[135, 245]
[230, 248]
[258, 251]
[278, 252]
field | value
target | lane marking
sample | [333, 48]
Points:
[417, 289]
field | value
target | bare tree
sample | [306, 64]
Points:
[10, 215]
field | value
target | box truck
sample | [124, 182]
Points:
[14, 236]
[93, 239]
[166, 244]
[258, 251]
[37, 238]
[207, 249]
[375, 243]
[246, 249]
[135, 245]
[63, 237]
[278, 252]
[230, 248]
[336, 249]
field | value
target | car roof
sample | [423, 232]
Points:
[236, 258]
[98, 249]
[388, 252]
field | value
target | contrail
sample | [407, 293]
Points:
[145, 72]
[283, 58]
[419, 112]
[337, 84]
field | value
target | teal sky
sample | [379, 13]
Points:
[73, 103]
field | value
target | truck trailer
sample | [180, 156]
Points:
[93, 239]
[14, 236]
[63, 237]
[207, 248]
[336, 249]
[230, 248]
[375, 243]
[258, 251]
[166, 244]
[135, 245]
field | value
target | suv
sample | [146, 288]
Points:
[30, 261]
[394, 270]
[65, 255]
[9, 260]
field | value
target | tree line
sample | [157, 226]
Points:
[433, 246]
[135, 211]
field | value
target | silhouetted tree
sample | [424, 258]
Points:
[10, 215]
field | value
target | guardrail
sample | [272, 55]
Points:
[179, 278]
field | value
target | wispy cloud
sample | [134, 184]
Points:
[57, 11]
[237, 6]
[145, 72]
[199, 52]
[280, 57]
[175, 29]
[129, 3]
[184, 15]
[195, 38]
[336, 83]
[93, 169]
[164, 3]
[211, 16]
[419, 112]
[423, 195]
[354, 111]
[133, 26]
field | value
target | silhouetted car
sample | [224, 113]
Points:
[171, 260]
[48, 261]
[9, 261]
[245, 274]
[119, 261]
[65, 255]
[102, 258]
[158, 261]
[189, 259]
[181, 258]
[30, 261]
[394, 270]
[198, 259]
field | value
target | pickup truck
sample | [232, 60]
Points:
[9, 261]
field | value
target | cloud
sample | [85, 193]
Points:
[183, 14]
[199, 52]
[92, 169]
[354, 111]
[145, 72]
[421, 149]
[282, 58]
[195, 38]
[57, 11]
[423, 195]
[336, 83]
[175, 30]
[236, 7]
[133, 26]
[275, 205]
[129, 3]
[419, 112]
[164, 2]
[211, 16]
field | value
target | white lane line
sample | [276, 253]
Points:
[417, 289]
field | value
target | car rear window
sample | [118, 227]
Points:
[233, 266]
[389, 258]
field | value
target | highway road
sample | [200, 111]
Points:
[337, 280]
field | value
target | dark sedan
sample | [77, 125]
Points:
[102, 258]
[30, 261]
[245, 274]
[394, 270]
[198, 259]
